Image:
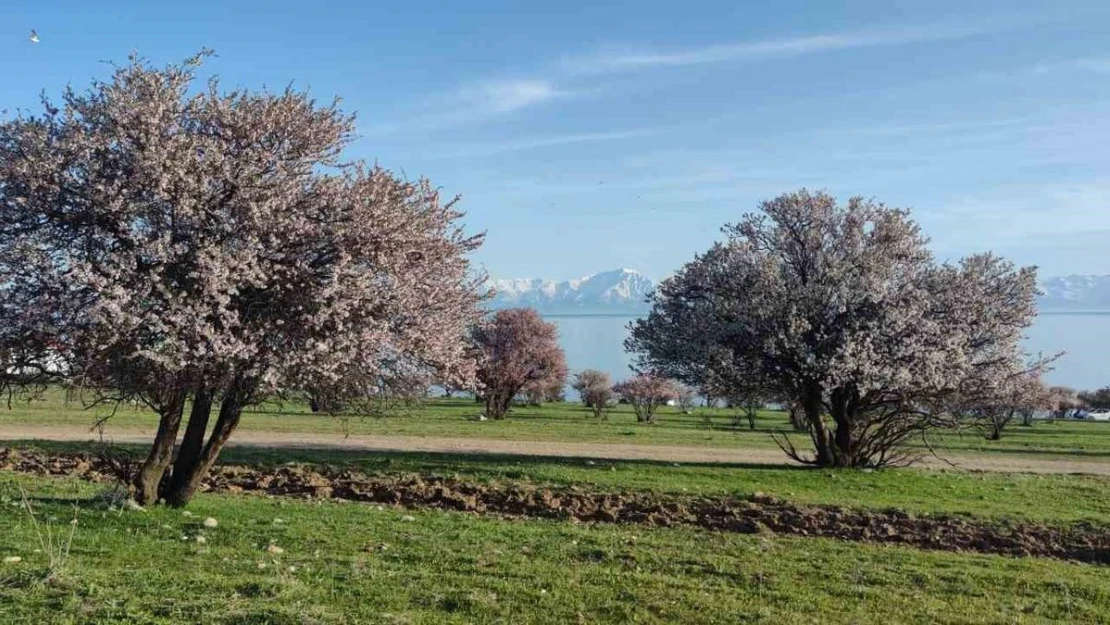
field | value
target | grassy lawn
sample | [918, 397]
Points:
[356, 563]
[1053, 498]
[568, 422]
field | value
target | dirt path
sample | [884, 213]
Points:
[1008, 463]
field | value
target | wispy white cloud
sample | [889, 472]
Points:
[506, 96]
[1048, 70]
[628, 59]
[484, 100]
[943, 127]
[1019, 212]
[1087, 64]
[475, 102]
[489, 149]
[1095, 65]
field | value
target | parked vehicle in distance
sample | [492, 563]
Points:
[1092, 415]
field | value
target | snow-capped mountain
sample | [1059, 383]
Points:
[617, 291]
[1075, 293]
[623, 291]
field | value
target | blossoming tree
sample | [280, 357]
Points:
[516, 349]
[842, 309]
[595, 390]
[206, 249]
[646, 393]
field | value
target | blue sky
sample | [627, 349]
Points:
[594, 135]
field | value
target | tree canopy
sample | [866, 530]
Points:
[595, 389]
[169, 244]
[843, 309]
[515, 350]
[646, 393]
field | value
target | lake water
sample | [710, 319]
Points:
[596, 342]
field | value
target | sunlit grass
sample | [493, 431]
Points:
[343, 563]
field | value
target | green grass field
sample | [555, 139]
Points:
[355, 563]
[569, 422]
[346, 563]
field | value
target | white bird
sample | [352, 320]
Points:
[34, 36]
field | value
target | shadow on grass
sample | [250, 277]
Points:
[1018, 452]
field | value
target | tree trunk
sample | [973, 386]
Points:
[186, 481]
[193, 442]
[797, 417]
[811, 405]
[843, 412]
[997, 424]
[750, 414]
[161, 452]
[71, 395]
[498, 404]
[842, 439]
[491, 406]
[994, 429]
[1027, 418]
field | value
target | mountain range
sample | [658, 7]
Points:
[624, 291]
[1074, 293]
[620, 291]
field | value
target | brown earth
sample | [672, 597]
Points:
[756, 514]
[1000, 463]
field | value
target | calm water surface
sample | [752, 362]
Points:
[596, 342]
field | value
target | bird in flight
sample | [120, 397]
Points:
[34, 36]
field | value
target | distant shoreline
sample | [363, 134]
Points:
[630, 315]
[581, 315]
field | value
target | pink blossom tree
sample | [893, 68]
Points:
[646, 393]
[994, 406]
[548, 389]
[515, 348]
[843, 310]
[211, 248]
[595, 389]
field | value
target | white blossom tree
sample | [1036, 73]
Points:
[211, 248]
[685, 396]
[595, 390]
[843, 310]
[998, 402]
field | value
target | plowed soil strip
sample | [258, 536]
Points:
[757, 514]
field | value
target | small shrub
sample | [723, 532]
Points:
[646, 393]
[595, 390]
